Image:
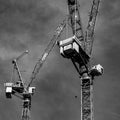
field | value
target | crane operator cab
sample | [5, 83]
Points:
[8, 89]
[72, 48]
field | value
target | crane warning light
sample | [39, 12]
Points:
[72, 48]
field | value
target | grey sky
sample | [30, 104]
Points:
[30, 24]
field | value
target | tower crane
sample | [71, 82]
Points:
[18, 88]
[78, 48]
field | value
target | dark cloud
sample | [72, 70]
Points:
[25, 22]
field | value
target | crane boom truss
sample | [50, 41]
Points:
[75, 19]
[91, 26]
[86, 98]
[14, 62]
[47, 51]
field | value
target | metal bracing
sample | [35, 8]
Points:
[19, 90]
[86, 98]
[86, 45]
[74, 12]
[89, 38]
[26, 106]
[86, 101]
[25, 114]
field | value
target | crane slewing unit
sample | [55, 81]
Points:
[89, 38]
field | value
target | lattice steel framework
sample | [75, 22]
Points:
[86, 45]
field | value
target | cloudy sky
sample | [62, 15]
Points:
[30, 24]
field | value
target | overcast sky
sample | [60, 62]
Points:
[30, 24]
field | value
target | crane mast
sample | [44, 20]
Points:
[86, 83]
[26, 106]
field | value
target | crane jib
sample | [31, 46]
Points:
[47, 51]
